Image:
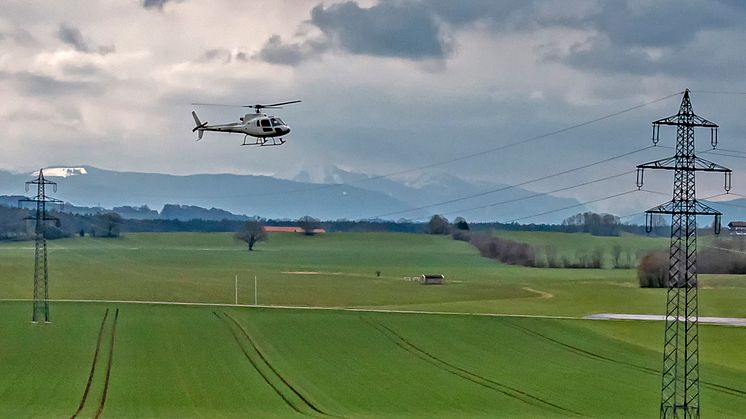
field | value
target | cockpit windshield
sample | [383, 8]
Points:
[277, 121]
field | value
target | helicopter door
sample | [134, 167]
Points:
[266, 127]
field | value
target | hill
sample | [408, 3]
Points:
[343, 195]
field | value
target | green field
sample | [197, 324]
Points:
[222, 361]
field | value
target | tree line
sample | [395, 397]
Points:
[517, 253]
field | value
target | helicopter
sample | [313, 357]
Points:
[267, 130]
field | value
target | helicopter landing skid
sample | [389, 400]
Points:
[264, 142]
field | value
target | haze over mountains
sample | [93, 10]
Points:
[333, 194]
[339, 195]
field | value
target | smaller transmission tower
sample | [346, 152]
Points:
[41, 278]
[680, 378]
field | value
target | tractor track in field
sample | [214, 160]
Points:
[441, 364]
[93, 366]
[108, 366]
[230, 322]
[95, 363]
[588, 354]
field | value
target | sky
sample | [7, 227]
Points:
[386, 86]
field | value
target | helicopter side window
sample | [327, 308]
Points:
[265, 123]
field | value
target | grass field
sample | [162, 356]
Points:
[181, 361]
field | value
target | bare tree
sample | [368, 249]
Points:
[251, 233]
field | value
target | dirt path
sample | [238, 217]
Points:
[542, 294]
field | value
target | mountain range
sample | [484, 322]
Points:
[339, 194]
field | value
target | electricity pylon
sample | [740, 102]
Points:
[680, 377]
[41, 277]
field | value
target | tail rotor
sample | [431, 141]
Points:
[200, 128]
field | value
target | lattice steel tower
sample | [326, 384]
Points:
[680, 383]
[41, 279]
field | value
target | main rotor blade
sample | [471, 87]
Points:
[222, 104]
[281, 103]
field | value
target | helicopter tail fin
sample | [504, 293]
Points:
[200, 126]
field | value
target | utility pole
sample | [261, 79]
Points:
[41, 277]
[680, 375]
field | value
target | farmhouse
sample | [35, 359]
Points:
[737, 228]
[430, 279]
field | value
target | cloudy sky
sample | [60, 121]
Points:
[386, 85]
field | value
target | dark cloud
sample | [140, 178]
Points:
[105, 49]
[155, 4]
[40, 85]
[661, 37]
[72, 36]
[222, 55]
[416, 30]
[401, 29]
[216, 54]
[277, 52]
[419, 30]
[661, 23]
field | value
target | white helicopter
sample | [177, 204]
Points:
[267, 130]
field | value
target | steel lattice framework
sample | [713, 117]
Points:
[680, 381]
[41, 217]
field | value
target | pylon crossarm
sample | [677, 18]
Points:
[676, 207]
[681, 119]
[696, 164]
[666, 163]
[708, 166]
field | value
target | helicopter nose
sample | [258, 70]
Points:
[283, 130]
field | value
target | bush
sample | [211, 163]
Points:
[503, 250]
[438, 225]
[462, 235]
[653, 270]
[725, 256]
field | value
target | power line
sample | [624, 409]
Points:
[539, 194]
[728, 150]
[483, 152]
[504, 188]
[576, 205]
[725, 155]
[453, 160]
[718, 92]
[529, 139]
[668, 194]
